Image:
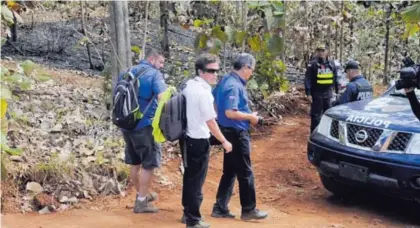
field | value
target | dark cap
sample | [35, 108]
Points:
[352, 65]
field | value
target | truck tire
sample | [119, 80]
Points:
[335, 187]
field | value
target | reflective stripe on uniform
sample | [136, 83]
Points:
[325, 82]
[325, 78]
[325, 75]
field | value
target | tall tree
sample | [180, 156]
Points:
[164, 17]
[120, 38]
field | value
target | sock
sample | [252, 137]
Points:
[140, 198]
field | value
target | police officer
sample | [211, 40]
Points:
[235, 118]
[358, 87]
[320, 79]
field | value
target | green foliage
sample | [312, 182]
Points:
[412, 14]
[10, 80]
[265, 47]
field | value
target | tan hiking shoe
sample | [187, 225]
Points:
[144, 207]
[200, 224]
[152, 196]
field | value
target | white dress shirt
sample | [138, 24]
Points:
[200, 107]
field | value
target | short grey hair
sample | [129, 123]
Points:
[151, 52]
[244, 59]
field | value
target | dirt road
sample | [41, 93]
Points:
[287, 187]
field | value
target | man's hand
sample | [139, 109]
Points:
[309, 98]
[409, 90]
[227, 146]
[254, 118]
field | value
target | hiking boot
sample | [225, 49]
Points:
[200, 224]
[152, 196]
[254, 214]
[221, 214]
[184, 219]
[144, 207]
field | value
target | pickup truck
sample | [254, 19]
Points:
[372, 144]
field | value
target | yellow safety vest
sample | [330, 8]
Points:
[157, 133]
[324, 77]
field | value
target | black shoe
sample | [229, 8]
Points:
[184, 219]
[254, 214]
[220, 214]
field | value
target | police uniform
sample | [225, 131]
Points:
[320, 79]
[357, 89]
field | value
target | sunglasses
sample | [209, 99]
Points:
[212, 71]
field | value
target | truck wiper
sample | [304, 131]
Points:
[398, 95]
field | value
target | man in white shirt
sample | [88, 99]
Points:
[201, 121]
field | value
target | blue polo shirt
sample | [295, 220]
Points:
[231, 94]
[151, 84]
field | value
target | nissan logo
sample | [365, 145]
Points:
[361, 136]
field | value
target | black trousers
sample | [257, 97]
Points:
[197, 158]
[321, 102]
[237, 164]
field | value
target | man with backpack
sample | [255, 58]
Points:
[235, 119]
[358, 87]
[135, 101]
[201, 121]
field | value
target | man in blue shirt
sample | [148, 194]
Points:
[141, 150]
[235, 117]
[358, 87]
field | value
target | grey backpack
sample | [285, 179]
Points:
[173, 119]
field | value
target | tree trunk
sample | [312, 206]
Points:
[216, 19]
[164, 17]
[283, 32]
[387, 27]
[244, 18]
[82, 7]
[342, 33]
[336, 39]
[305, 47]
[143, 47]
[351, 34]
[120, 38]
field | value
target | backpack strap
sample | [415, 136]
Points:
[139, 74]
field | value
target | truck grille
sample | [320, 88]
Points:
[373, 135]
[334, 129]
[400, 141]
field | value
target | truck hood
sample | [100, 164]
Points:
[386, 112]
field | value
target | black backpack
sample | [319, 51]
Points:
[173, 119]
[126, 109]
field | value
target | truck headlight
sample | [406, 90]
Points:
[324, 125]
[414, 146]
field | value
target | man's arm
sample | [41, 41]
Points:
[215, 130]
[231, 103]
[335, 79]
[209, 114]
[414, 102]
[308, 79]
[346, 97]
[158, 85]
